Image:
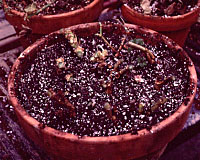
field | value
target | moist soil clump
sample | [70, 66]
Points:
[162, 7]
[48, 7]
[104, 89]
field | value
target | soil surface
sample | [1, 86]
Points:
[103, 92]
[51, 6]
[162, 7]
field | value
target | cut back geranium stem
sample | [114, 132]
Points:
[103, 38]
[149, 54]
[121, 46]
[121, 72]
[159, 84]
[109, 111]
[116, 65]
[59, 98]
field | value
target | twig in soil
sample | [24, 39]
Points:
[60, 98]
[108, 86]
[149, 54]
[104, 39]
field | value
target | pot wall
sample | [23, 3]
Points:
[67, 146]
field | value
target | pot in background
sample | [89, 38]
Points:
[175, 27]
[45, 24]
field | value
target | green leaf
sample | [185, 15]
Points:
[129, 49]
[141, 61]
[138, 41]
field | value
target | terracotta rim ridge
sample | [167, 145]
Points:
[93, 140]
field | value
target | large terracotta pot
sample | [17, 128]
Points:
[49, 23]
[67, 146]
[176, 27]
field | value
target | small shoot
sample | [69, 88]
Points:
[122, 22]
[116, 65]
[107, 86]
[160, 102]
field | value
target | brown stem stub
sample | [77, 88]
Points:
[60, 98]
[121, 72]
[109, 111]
[160, 83]
[109, 88]
[116, 65]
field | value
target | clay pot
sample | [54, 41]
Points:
[175, 27]
[49, 23]
[62, 145]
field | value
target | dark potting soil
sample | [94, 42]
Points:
[118, 94]
[162, 7]
[54, 6]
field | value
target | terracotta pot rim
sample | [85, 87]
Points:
[169, 18]
[51, 16]
[95, 140]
